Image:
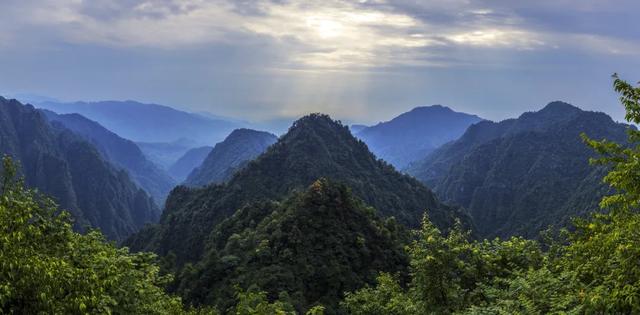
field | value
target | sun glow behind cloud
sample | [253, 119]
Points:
[318, 34]
[285, 56]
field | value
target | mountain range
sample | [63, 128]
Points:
[188, 162]
[148, 122]
[314, 147]
[321, 210]
[166, 154]
[229, 156]
[72, 171]
[412, 135]
[120, 152]
[519, 176]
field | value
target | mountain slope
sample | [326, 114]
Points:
[72, 171]
[166, 154]
[315, 147]
[120, 152]
[189, 162]
[148, 122]
[315, 246]
[412, 135]
[230, 155]
[518, 176]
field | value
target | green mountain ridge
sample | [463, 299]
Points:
[519, 176]
[315, 147]
[229, 156]
[120, 152]
[63, 165]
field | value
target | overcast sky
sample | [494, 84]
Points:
[357, 60]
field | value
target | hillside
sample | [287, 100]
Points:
[61, 164]
[315, 147]
[414, 134]
[166, 154]
[121, 152]
[229, 156]
[519, 176]
[315, 245]
[189, 162]
[148, 122]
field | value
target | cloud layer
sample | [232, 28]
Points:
[294, 40]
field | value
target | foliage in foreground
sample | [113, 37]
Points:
[591, 269]
[47, 267]
[306, 250]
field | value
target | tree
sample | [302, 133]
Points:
[46, 267]
[604, 251]
[593, 269]
[449, 273]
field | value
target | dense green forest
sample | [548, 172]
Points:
[518, 176]
[323, 249]
[591, 269]
[308, 249]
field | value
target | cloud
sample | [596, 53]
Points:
[332, 34]
[346, 57]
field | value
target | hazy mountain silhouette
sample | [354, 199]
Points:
[72, 171]
[229, 156]
[166, 154]
[148, 122]
[412, 135]
[188, 162]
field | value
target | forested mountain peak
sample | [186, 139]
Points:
[519, 176]
[230, 156]
[315, 147]
[314, 245]
[560, 108]
[244, 132]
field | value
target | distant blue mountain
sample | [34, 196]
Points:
[357, 128]
[166, 154]
[414, 134]
[148, 122]
[31, 98]
[188, 162]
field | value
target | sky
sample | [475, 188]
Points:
[362, 60]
